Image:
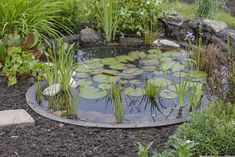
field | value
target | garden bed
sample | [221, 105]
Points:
[50, 138]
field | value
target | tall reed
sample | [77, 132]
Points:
[117, 102]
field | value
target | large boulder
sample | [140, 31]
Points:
[90, 36]
[131, 41]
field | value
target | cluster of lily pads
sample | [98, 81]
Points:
[169, 72]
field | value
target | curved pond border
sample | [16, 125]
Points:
[32, 102]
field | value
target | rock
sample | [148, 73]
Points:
[90, 36]
[165, 44]
[61, 125]
[73, 83]
[52, 90]
[131, 41]
[214, 26]
[15, 117]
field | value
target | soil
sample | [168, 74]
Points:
[50, 138]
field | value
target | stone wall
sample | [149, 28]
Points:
[210, 31]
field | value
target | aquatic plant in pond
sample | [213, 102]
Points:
[60, 73]
[117, 102]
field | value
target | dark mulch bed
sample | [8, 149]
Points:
[47, 138]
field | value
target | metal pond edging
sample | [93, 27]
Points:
[32, 102]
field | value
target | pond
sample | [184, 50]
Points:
[152, 86]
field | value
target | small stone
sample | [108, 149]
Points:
[15, 117]
[61, 125]
[165, 44]
[52, 90]
[73, 83]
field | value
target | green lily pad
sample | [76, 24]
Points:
[160, 82]
[83, 83]
[135, 82]
[149, 68]
[110, 72]
[171, 54]
[95, 65]
[105, 86]
[91, 93]
[94, 60]
[109, 61]
[151, 56]
[83, 68]
[165, 59]
[135, 92]
[102, 78]
[174, 66]
[126, 76]
[158, 51]
[130, 70]
[82, 75]
[138, 72]
[167, 94]
[122, 58]
[149, 62]
[119, 66]
[198, 74]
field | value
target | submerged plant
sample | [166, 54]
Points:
[117, 102]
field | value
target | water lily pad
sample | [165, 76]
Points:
[149, 68]
[105, 86]
[171, 54]
[138, 72]
[110, 72]
[165, 59]
[119, 66]
[198, 74]
[135, 92]
[92, 93]
[109, 61]
[130, 70]
[81, 75]
[149, 62]
[174, 66]
[95, 65]
[94, 60]
[122, 58]
[167, 94]
[160, 82]
[154, 51]
[84, 83]
[135, 82]
[126, 76]
[97, 71]
[82, 68]
[102, 78]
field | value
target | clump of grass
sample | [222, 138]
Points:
[117, 102]
[207, 8]
[181, 88]
[195, 94]
[62, 58]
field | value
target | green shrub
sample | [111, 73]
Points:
[213, 130]
[20, 56]
[25, 16]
